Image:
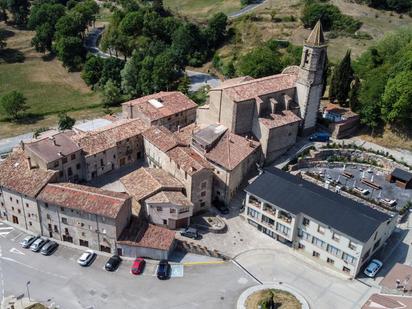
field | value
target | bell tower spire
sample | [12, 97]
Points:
[310, 81]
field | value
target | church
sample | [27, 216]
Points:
[273, 109]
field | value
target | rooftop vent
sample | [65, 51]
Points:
[156, 103]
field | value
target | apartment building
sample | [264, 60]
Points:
[163, 150]
[172, 110]
[332, 229]
[161, 196]
[20, 183]
[56, 152]
[111, 147]
[232, 157]
[84, 216]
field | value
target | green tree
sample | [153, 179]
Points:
[92, 70]
[70, 51]
[397, 98]
[45, 13]
[354, 94]
[13, 104]
[259, 62]
[184, 84]
[145, 75]
[20, 10]
[130, 75]
[43, 39]
[229, 69]
[111, 71]
[70, 25]
[164, 71]
[3, 9]
[112, 95]
[65, 122]
[88, 10]
[132, 24]
[341, 80]
[216, 29]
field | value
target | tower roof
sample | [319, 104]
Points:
[316, 37]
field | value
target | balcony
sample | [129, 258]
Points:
[285, 217]
[269, 210]
[255, 203]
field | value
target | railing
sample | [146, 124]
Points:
[285, 219]
[255, 204]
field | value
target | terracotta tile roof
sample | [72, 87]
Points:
[235, 81]
[280, 119]
[184, 135]
[257, 87]
[108, 136]
[398, 272]
[161, 137]
[168, 103]
[176, 198]
[88, 199]
[188, 160]
[144, 182]
[147, 236]
[379, 301]
[231, 150]
[16, 175]
[54, 147]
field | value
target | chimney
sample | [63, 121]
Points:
[273, 105]
[60, 154]
[288, 102]
[53, 140]
[178, 128]
[29, 163]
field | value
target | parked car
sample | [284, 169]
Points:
[320, 137]
[361, 190]
[49, 248]
[28, 240]
[191, 232]
[373, 268]
[163, 270]
[221, 207]
[86, 258]
[138, 266]
[38, 244]
[113, 263]
[388, 202]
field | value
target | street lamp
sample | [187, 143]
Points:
[27, 287]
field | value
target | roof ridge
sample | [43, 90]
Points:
[256, 80]
[87, 192]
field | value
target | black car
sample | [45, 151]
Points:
[28, 240]
[49, 248]
[163, 270]
[113, 263]
[221, 206]
[191, 233]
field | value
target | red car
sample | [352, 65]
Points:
[138, 266]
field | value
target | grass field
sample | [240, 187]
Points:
[202, 9]
[46, 84]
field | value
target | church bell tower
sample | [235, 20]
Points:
[309, 85]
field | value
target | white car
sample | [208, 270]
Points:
[361, 190]
[86, 258]
[388, 202]
[373, 268]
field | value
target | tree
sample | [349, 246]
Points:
[92, 70]
[130, 75]
[354, 94]
[20, 10]
[112, 95]
[216, 29]
[164, 71]
[132, 24]
[70, 51]
[3, 8]
[43, 39]
[70, 25]
[65, 122]
[261, 61]
[88, 10]
[45, 13]
[184, 84]
[230, 70]
[111, 71]
[13, 104]
[397, 98]
[341, 80]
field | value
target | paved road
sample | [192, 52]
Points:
[199, 80]
[59, 278]
[246, 9]
[7, 144]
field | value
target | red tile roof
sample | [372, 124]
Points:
[169, 104]
[184, 135]
[144, 182]
[188, 160]
[257, 87]
[231, 150]
[378, 301]
[107, 137]
[175, 198]
[16, 175]
[88, 199]
[161, 137]
[147, 236]
[280, 119]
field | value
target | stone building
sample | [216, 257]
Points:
[342, 121]
[161, 195]
[56, 152]
[84, 216]
[169, 109]
[272, 108]
[111, 147]
[335, 231]
[164, 150]
[20, 183]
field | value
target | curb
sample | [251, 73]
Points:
[280, 286]
[204, 263]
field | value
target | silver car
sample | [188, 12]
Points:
[38, 244]
[86, 258]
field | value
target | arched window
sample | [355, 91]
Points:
[306, 57]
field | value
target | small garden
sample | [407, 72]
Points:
[272, 299]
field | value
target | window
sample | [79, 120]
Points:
[315, 254]
[336, 237]
[348, 258]
[305, 221]
[317, 242]
[64, 160]
[203, 184]
[64, 220]
[159, 208]
[301, 246]
[333, 250]
[73, 157]
[164, 222]
[253, 213]
[19, 211]
[61, 174]
[203, 193]
[352, 246]
[321, 229]
[17, 201]
[56, 163]
[83, 234]
[27, 205]
[62, 209]
[101, 163]
[202, 204]
[281, 228]
[78, 166]
[55, 229]
[172, 210]
[304, 235]
[46, 205]
[81, 224]
[83, 243]
[28, 215]
[30, 223]
[330, 261]
[69, 171]
[268, 220]
[345, 269]
[11, 199]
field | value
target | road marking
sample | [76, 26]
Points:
[6, 228]
[18, 235]
[177, 271]
[14, 250]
